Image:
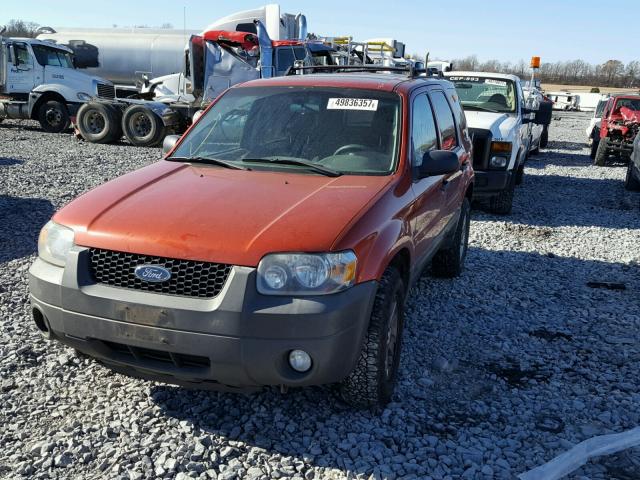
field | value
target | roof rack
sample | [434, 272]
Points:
[410, 70]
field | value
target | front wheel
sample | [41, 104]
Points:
[449, 262]
[600, 158]
[502, 203]
[631, 181]
[372, 381]
[53, 116]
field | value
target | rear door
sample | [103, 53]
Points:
[429, 196]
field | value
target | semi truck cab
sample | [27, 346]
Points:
[38, 80]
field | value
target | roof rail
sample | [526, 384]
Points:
[410, 70]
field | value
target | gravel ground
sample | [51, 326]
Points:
[502, 369]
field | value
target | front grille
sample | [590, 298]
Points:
[145, 355]
[189, 278]
[481, 147]
[106, 91]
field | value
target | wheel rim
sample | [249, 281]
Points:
[392, 340]
[140, 125]
[464, 237]
[53, 116]
[94, 122]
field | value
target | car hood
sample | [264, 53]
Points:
[501, 125]
[219, 215]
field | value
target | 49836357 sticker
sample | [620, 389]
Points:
[352, 104]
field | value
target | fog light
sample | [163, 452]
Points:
[299, 360]
[498, 162]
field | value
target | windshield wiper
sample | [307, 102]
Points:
[329, 172]
[207, 160]
[484, 109]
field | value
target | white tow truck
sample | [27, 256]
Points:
[500, 120]
[38, 81]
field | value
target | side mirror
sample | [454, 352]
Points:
[169, 142]
[438, 162]
[544, 114]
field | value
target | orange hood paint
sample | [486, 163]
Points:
[216, 214]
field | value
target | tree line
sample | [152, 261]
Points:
[612, 73]
[21, 28]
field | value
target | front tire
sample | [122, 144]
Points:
[449, 262]
[600, 158]
[53, 116]
[631, 181]
[372, 381]
[142, 126]
[502, 204]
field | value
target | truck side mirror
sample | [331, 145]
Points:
[169, 142]
[544, 114]
[438, 162]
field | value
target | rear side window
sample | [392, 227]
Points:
[447, 125]
[424, 135]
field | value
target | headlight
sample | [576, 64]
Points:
[54, 243]
[85, 97]
[306, 274]
[498, 162]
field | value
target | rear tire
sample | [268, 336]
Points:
[449, 262]
[600, 158]
[372, 381]
[502, 204]
[99, 122]
[142, 126]
[53, 116]
[631, 181]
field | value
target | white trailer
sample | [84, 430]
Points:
[38, 81]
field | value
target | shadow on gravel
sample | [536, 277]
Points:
[562, 145]
[21, 220]
[7, 162]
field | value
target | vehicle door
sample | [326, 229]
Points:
[21, 71]
[428, 192]
[450, 137]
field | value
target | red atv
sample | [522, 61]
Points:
[619, 127]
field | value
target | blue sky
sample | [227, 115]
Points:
[492, 29]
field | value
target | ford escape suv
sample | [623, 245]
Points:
[275, 244]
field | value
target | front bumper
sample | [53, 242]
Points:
[239, 339]
[490, 182]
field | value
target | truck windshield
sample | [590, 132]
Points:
[52, 56]
[491, 94]
[350, 131]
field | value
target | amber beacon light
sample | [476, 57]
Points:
[535, 62]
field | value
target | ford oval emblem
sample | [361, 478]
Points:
[152, 273]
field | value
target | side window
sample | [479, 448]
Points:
[444, 115]
[424, 136]
[22, 54]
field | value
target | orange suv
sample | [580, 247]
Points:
[275, 244]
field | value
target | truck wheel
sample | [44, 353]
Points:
[53, 116]
[372, 381]
[503, 202]
[99, 122]
[594, 148]
[142, 127]
[544, 137]
[631, 181]
[449, 262]
[600, 158]
[520, 175]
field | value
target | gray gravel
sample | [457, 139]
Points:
[502, 369]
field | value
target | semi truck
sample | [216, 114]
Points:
[215, 60]
[38, 81]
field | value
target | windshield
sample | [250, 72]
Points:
[350, 131]
[491, 94]
[630, 103]
[52, 56]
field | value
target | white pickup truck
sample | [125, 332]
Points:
[38, 81]
[500, 120]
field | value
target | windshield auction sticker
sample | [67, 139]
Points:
[487, 81]
[352, 104]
